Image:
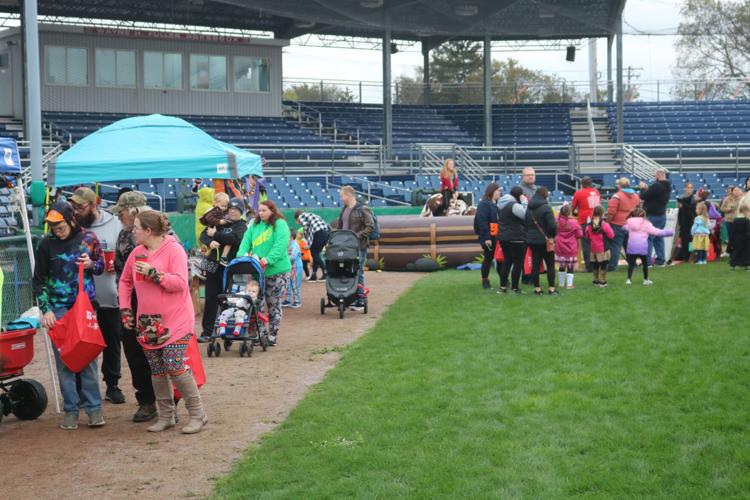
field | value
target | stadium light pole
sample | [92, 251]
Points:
[620, 96]
[488, 91]
[426, 72]
[33, 100]
[387, 102]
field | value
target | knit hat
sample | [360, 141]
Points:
[237, 203]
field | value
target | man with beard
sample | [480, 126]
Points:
[106, 228]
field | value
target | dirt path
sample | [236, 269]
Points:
[244, 399]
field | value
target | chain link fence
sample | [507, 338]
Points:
[17, 271]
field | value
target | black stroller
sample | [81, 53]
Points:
[255, 328]
[342, 268]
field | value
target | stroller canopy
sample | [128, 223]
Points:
[243, 265]
[342, 245]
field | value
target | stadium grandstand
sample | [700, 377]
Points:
[229, 84]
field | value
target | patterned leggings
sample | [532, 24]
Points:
[170, 359]
[276, 287]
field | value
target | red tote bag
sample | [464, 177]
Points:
[77, 335]
[499, 253]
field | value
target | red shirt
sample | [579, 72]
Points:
[586, 200]
[445, 183]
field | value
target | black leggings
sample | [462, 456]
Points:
[513, 253]
[319, 240]
[489, 256]
[631, 264]
[539, 253]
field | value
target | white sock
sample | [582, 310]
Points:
[561, 278]
[570, 279]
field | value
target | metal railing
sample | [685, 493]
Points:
[590, 120]
[50, 150]
[291, 159]
[432, 157]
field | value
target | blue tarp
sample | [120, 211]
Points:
[10, 162]
[147, 147]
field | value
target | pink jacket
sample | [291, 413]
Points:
[639, 229]
[597, 239]
[568, 233]
[170, 299]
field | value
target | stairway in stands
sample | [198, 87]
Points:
[599, 159]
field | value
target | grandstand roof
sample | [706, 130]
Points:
[409, 19]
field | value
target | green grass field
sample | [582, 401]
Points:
[457, 392]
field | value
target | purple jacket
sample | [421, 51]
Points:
[639, 229]
[568, 232]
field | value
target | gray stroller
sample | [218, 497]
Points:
[342, 268]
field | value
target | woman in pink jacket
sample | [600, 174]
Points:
[158, 271]
[639, 229]
[566, 246]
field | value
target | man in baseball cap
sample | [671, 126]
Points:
[128, 200]
[106, 227]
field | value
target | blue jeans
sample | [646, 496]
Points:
[294, 294]
[615, 245]
[657, 242]
[88, 396]
[361, 275]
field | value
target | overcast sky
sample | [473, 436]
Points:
[654, 54]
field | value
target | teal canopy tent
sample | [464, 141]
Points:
[146, 147]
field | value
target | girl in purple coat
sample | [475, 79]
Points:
[566, 246]
[639, 229]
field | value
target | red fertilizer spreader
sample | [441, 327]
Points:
[25, 398]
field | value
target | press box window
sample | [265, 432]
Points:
[251, 74]
[114, 68]
[208, 72]
[65, 66]
[162, 70]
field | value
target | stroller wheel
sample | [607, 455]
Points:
[217, 349]
[341, 310]
[227, 344]
[322, 306]
[364, 309]
[210, 350]
[264, 343]
[245, 350]
[28, 399]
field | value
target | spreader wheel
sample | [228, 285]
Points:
[28, 399]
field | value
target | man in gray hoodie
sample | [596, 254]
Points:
[106, 227]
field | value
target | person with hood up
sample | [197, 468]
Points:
[107, 228]
[55, 286]
[512, 237]
[620, 205]
[639, 230]
[541, 227]
[205, 203]
[157, 271]
[569, 231]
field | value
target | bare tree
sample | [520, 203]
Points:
[713, 47]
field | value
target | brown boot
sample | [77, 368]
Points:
[164, 402]
[603, 278]
[185, 383]
[596, 276]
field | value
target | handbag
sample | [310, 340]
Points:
[77, 335]
[207, 266]
[549, 241]
[499, 253]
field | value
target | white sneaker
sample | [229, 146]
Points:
[648, 282]
[628, 282]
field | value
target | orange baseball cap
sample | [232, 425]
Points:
[53, 216]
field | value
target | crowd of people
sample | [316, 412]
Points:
[137, 275]
[521, 233]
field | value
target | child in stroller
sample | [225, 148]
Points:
[238, 308]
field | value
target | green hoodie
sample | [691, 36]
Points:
[269, 242]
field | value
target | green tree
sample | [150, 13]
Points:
[317, 92]
[713, 46]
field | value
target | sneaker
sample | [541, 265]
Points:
[356, 307]
[114, 395]
[553, 292]
[486, 285]
[648, 282]
[628, 282]
[204, 339]
[517, 291]
[145, 413]
[286, 303]
[603, 284]
[272, 340]
[296, 305]
[96, 419]
[313, 277]
[70, 421]
[595, 282]
[502, 290]
[724, 254]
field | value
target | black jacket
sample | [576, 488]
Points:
[486, 213]
[227, 235]
[511, 216]
[686, 213]
[656, 197]
[539, 211]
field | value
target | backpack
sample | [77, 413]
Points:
[375, 233]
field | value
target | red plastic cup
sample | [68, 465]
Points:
[109, 261]
[140, 258]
